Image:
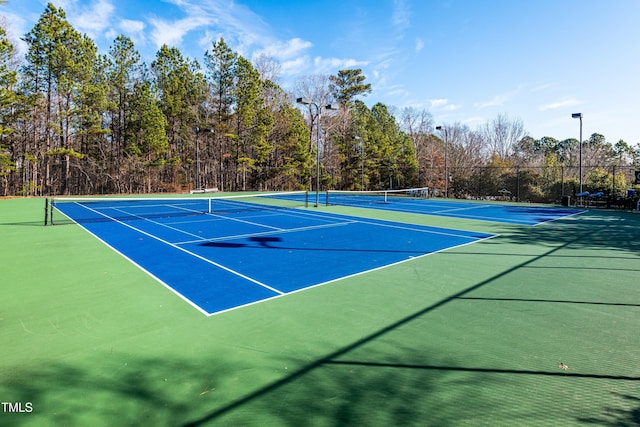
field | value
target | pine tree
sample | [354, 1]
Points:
[220, 65]
[348, 84]
[181, 90]
[56, 57]
[126, 70]
[8, 79]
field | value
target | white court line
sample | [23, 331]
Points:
[560, 217]
[172, 290]
[462, 209]
[401, 227]
[150, 220]
[328, 216]
[245, 222]
[200, 238]
[468, 216]
[317, 215]
[350, 275]
[294, 212]
[267, 233]
[447, 212]
[189, 252]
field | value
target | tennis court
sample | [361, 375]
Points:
[415, 201]
[535, 326]
[228, 252]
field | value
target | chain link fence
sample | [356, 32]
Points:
[540, 184]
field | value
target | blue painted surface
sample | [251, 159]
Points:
[510, 214]
[220, 262]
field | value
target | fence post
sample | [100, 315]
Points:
[613, 183]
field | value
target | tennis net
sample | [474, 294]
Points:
[355, 198]
[63, 210]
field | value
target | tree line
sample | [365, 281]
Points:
[75, 121]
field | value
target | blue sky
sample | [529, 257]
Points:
[464, 61]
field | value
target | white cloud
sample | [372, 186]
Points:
[172, 32]
[477, 120]
[560, 104]
[294, 66]
[499, 99]
[241, 28]
[543, 86]
[442, 104]
[400, 17]
[95, 17]
[285, 50]
[324, 65]
[398, 92]
[237, 22]
[293, 47]
[419, 44]
[438, 102]
[65, 5]
[16, 27]
[494, 102]
[208, 37]
[131, 27]
[385, 64]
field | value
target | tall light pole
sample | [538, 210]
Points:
[196, 129]
[361, 143]
[446, 166]
[305, 101]
[579, 116]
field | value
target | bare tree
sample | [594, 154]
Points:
[314, 88]
[418, 125]
[502, 134]
[268, 67]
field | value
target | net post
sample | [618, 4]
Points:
[326, 198]
[51, 206]
[46, 211]
[210, 200]
[306, 199]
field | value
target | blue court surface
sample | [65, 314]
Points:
[221, 261]
[503, 213]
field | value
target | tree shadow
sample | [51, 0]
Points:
[383, 393]
[110, 391]
[614, 304]
[24, 223]
[410, 385]
[259, 242]
[601, 230]
[616, 417]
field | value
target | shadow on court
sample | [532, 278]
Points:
[414, 381]
[126, 390]
[258, 242]
[620, 234]
[393, 375]
[265, 242]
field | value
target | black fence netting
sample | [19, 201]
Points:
[552, 184]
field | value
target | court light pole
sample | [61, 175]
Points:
[446, 166]
[305, 101]
[196, 129]
[579, 116]
[361, 143]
